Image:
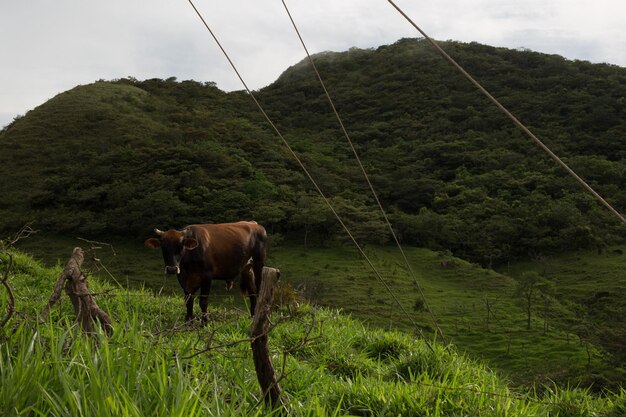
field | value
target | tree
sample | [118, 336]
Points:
[530, 285]
[548, 290]
[312, 215]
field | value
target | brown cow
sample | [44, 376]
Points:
[201, 253]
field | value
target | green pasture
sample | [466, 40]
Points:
[329, 364]
[457, 293]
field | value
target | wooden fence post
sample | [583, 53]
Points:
[260, 341]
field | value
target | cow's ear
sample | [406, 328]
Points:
[190, 243]
[152, 243]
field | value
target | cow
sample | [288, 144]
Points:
[201, 253]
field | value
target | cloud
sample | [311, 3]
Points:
[51, 46]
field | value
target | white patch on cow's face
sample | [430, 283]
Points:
[172, 254]
[172, 248]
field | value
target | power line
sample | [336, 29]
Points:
[511, 116]
[308, 175]
[367, 179]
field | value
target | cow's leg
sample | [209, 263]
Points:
[205, 289]
[189, 305]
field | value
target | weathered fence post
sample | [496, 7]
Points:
[77, 289]
[260, 341]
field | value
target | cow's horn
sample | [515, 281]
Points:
[158, 232]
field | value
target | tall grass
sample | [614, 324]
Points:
[455, 290]
[328, 363]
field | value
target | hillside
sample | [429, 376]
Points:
[478, 310]
[124, 156]
[152, 364]
[592, 286]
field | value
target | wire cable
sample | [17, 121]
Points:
[367, 179]
[308, 175]
[511, 116]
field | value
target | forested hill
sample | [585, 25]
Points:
[124, 156]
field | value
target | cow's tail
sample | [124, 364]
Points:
[259, 253]
[247, 283]
[255, 265]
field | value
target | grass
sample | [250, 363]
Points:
[592, 287]
[457, 292]
[580, 274]
[153, 365]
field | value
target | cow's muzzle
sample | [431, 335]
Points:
[170, 270]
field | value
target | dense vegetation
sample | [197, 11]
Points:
[125, 156]
[154, 365]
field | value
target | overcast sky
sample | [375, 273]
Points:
[49, 46]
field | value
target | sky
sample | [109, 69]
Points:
[50, 46]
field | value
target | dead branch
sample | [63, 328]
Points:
[24, 233]
[56, 295]
[5, 283]
[76, 287]
[212, 347]
[93, 243]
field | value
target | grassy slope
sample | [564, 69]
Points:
[342, 368]
[456, 295]
[337, 277]
[580, 274]
[593, 286]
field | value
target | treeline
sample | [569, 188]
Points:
[124, 156]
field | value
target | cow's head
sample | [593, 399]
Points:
[173, 243]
